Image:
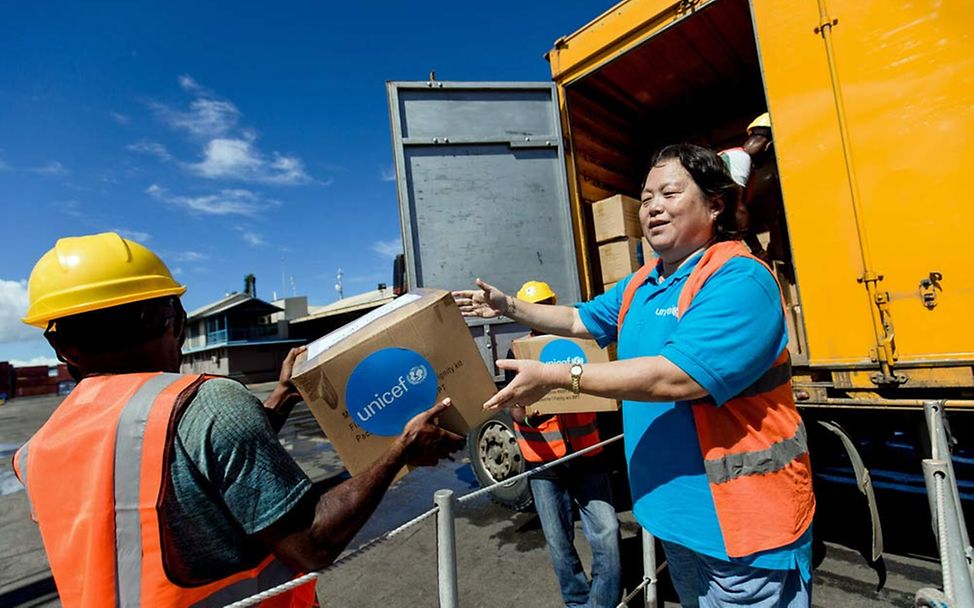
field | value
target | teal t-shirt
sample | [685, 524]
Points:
[728, 337]
[230, 478]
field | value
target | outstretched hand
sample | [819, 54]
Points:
[424, 442]
[533, 381]
[486, 302]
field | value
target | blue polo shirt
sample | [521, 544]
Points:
[729, 336]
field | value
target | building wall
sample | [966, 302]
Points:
[249, 364]
[206, 362]
[258, 362]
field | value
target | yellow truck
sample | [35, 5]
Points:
[872, 110]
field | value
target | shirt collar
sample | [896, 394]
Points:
[681, 272]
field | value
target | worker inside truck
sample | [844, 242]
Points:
[718, 463]
[162, 489]
[582, 483]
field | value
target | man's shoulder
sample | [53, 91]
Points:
[219, 402]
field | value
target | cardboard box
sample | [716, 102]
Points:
[364, 381]
[616, 217]
[555, 349]
[608, 286]
[619, 259]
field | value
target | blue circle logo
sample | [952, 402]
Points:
[388, 388]
[562, 351]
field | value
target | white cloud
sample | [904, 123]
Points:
[13, 306]
[388, 174]
[177, 271]
[230, 149]
[70, 207]
[40, 360]
[3, 166]
[205, 117]
[252, 238]
[51, 168]
[239, 159]
[389, 249]
[186, 81]
[133, 235]
[120, 118]
[151, 148]
[226, 202]
[188, 256]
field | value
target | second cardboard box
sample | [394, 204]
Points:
[555, 349]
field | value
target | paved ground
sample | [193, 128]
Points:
[501, 556]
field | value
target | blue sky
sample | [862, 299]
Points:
[230, 136]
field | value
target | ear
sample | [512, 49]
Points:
[716, 206]
[65, 354]
[179, 327]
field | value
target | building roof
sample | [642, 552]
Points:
[364, 301]
[238, 344]
[232, 301]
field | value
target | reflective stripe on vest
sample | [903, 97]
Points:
[759, 462]
[129, 436]
[103, 537]
[20, 470]
[547, 441]
[754, 446]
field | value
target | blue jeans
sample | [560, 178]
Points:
[593, 495]
[706, 582]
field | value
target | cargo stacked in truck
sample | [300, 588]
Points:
[617, 231]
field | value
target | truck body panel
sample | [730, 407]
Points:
[870, 171]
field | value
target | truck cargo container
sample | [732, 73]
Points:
[872, 110]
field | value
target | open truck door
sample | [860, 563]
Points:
[480, 171]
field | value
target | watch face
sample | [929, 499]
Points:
[576, 370]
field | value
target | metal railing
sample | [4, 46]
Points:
[444, 510]
[947, 518]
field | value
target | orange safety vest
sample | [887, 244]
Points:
[551, 439]
[94, 475]
[754, 446]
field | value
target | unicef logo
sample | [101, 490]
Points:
[416, 375]
[562, 351]
[388, 388]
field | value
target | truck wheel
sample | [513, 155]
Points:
[494, 456]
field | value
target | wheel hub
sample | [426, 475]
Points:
[499, 455]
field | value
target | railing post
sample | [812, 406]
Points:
[947, 513]
[446, 548]
[649, 568]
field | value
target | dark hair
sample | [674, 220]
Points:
[712, 177]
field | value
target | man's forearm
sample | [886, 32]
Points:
[341, 512]
[548, 319]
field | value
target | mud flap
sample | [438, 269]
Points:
[865, 485]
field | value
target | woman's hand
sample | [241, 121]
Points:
[533, 381]
[487, 302]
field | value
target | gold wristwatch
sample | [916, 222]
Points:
[576, 374]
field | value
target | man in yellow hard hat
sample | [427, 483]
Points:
[752, 168]
[582, 483]
[156, 488]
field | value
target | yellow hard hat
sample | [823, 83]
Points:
[93, 272]
[763, 120]
[536, 291]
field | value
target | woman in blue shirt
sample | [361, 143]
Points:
[718, 465]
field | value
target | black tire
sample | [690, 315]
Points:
[494, 457]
